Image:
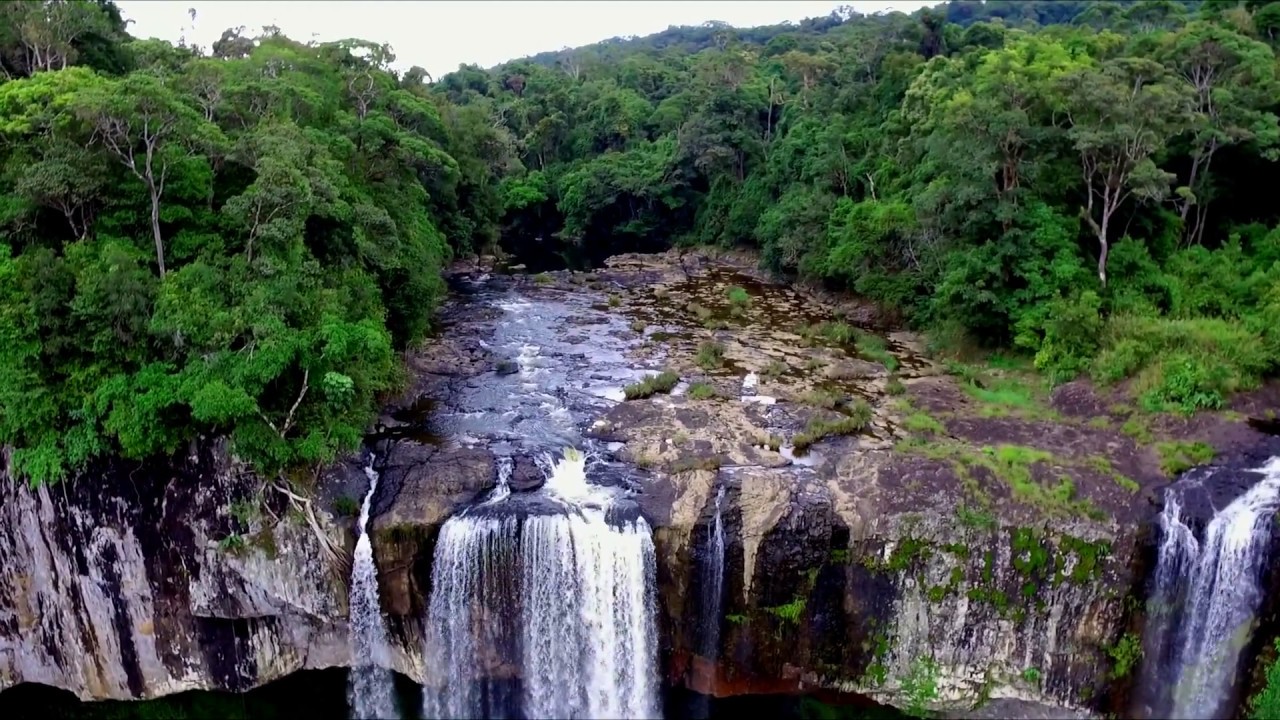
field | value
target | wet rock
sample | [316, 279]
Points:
[506, 367]
[425, 485]
[526, 476]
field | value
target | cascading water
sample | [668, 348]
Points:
[713, 582]
[554, 597]
[371, 687]
[1205, 596]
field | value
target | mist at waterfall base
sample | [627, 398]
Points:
[1205, 595]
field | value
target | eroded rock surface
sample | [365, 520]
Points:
[137, 581]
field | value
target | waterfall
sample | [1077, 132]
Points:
[1205, 595]
[555, 598]
[713, 583]
[371, 687]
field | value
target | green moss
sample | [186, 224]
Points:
[906, 553]
[614, 300]
[960, 550]
[738, 297]
[735, 619]
[840, 556]
[894, 386]
[1030, 556]
[1178, 457]
[1031, 675]
[774, 369]
[1088, 557]
[1136, 428]
[922, 423]
[1103, 466]
[233, 544]
[790, 612]
[975, 518]
[663, 382]
[543, 279]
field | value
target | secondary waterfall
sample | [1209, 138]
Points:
[713, 583]
[371, 687]
[1205, 595]
[544, 607]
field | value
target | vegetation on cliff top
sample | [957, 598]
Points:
[236, 240]
[228, 244]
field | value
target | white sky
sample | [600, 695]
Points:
[439, 35]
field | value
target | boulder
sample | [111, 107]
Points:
[526, 476]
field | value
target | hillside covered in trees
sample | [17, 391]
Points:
[238, 240]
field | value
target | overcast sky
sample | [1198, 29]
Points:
[439, 35]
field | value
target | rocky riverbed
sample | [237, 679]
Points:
[889, 520]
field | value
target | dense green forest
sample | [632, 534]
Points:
[239, 239]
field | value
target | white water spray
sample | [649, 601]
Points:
[713, 582]
[371, 687]
[1218, 577]
[565, 598]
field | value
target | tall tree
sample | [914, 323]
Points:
[1118, 116]
[144, 124]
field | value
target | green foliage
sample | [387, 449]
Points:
[710, 355]
[1126, 653]
[1061, 191]
[701, 391]
[1177, 457]
[789, 612]
[235, 247]
[663, 382]
[922, 423]
[775, 368]
[920, 687]
[240, 245]
[1266, 703]
[857, 419]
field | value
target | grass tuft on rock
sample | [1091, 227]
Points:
[856, 421]
[701, 391]
[652, 385]
[1177, 457]
[710, 355]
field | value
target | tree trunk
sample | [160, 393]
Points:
[1102, 260]
[155, 225]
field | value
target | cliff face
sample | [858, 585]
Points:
[822, 593]
[142, 580]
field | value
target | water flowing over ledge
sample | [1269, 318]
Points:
[1206, 594]
[371, 688]
[558, 601]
